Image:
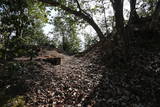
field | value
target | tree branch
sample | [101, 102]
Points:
[79, 7]
[81, 14]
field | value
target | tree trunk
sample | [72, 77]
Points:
[119, 19]
[118, 10]
[133, 14]
[156, 16]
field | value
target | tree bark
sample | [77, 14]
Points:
[81, 14]
[119, 19]
[133, 14]
[155, 17]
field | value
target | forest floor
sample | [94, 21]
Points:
[45, 85]
[96, 79]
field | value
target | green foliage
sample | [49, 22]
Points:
[89, 41]
[21, 24]
[146, 7]
[15, 102]
[12, 70]
[65, 32]
[13, 67]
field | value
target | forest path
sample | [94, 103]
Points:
[69, 83]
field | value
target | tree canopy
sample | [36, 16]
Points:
[78, 8]
[21, 24]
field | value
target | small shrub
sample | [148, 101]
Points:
[15, 102]
[12, 69]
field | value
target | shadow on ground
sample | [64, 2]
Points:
[18, 78]
[135, 83]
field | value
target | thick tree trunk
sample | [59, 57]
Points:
[133, 14]
[118, 10]
[81, 14]
[155, 17]
[119, 19]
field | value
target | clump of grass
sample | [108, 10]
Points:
[15, 102]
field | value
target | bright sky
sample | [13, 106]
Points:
[48, 27]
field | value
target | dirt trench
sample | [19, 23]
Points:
[67, 84]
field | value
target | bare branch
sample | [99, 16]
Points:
[79, 7]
